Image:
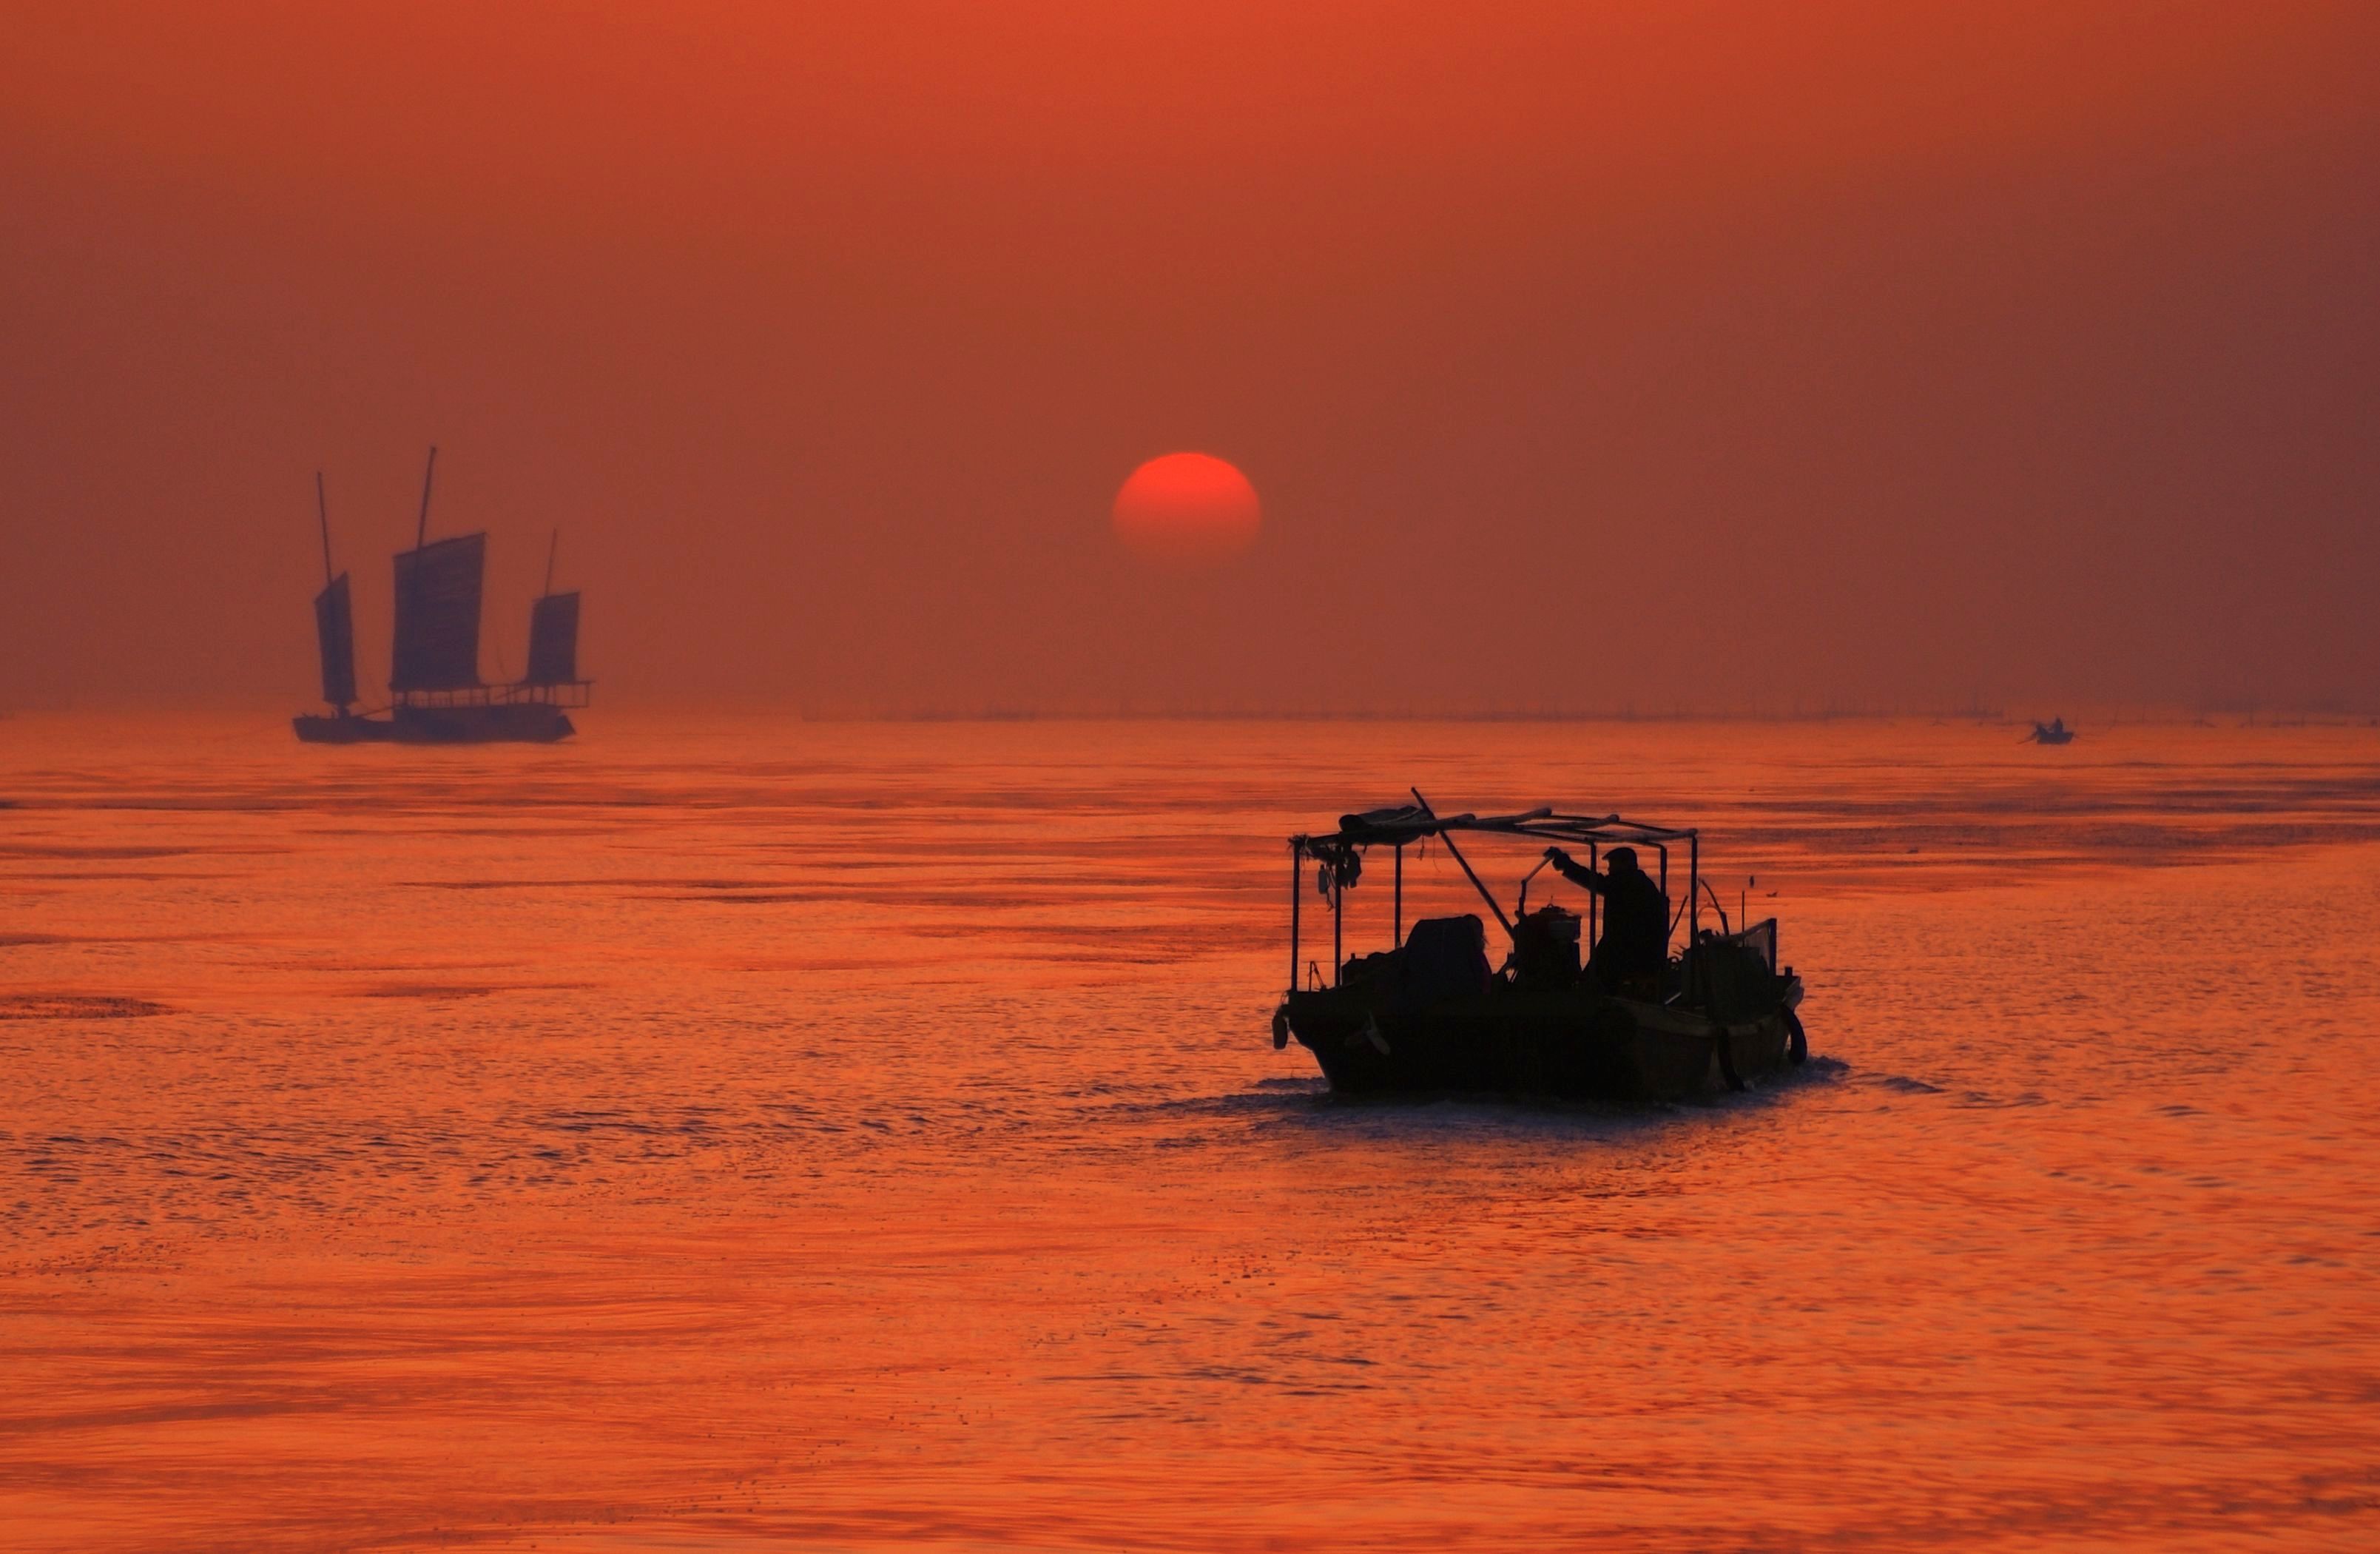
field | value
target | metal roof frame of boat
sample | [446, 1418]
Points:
[1396, 826]
[1412, 822]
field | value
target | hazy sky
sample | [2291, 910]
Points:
[1583, 356]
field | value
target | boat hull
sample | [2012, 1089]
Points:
[533, 723]
[1574, 1044]
[313, 729]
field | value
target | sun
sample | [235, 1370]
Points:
[1187, 508]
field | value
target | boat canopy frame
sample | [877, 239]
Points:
[1339, 855]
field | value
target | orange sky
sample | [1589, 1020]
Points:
[1886, 352]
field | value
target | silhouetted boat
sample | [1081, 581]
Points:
[435, 692]
[1429, 1015]
[2054, 732]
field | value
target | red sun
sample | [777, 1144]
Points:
[1187, 507]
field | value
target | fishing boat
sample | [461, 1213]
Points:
[435, 694]
[1430, 1015]
[2054, 732]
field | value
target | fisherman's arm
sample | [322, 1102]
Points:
[1568, 868]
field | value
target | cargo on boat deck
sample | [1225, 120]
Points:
[1443, 958]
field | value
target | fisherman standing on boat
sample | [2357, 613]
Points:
[1635, 942]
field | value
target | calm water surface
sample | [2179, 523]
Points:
[732, 1133]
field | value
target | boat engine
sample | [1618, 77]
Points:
[1544, 948]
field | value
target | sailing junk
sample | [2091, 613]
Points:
[435, 692]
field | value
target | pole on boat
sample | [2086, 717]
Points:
[1693, 886]
[1397, 938]
[551, 546]
[1337, 924]
[1594, 902]
[421, 529]
[1296, 902]
[1485, 894]
[323, 510]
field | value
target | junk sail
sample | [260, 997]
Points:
[438, 615]
[335, 626]
[334, 618]
[435, 692]
[554, 641]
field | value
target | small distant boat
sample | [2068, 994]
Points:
[2054, 732]
[1429, 1015]
[435, 694]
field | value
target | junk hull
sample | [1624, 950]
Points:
[528, 723]
[1574, 1044]
[345, 729]
[531, 722]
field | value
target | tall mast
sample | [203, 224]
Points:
[421, 530]
[551, 546]
[322, 507]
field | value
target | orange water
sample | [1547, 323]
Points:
[737, 1134]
